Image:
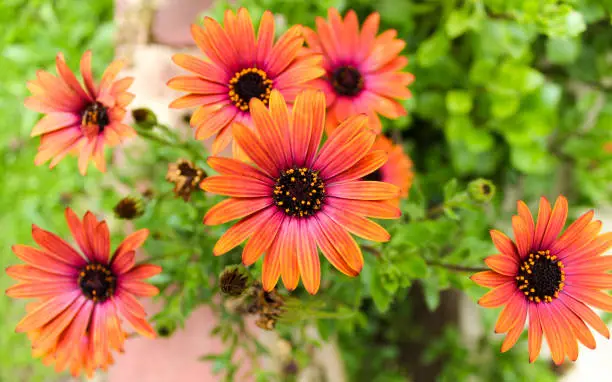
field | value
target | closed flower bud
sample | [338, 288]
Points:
[129, 208]
[234, 280]
[481, 190]
[166, 327]
[144, 117]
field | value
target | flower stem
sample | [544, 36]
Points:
[456, 268]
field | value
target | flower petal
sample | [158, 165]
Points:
[573, 233]
[138, 323]
[365, 166]
[207, 71]
[248, 141]
[240, 231]
[522, 236]
[586, 314]
[542, 223]
[43, 260]
[380, 209]
[271, 136]
[498, 296]
[271, 268]
[57, 247]
[534, 333]
[131, 243]
[287, 238]
[363, 190]
[503, 265]
[139, 288]
[308, 257]
[570, 344]
[87, 75]
[553, 336]
[504, 244]
[490, 279]
[122, 264]
[143, 271]
[556, 222]
[262, 238]
[308, 120]
[357, 225]
[232, 209]
[236, 186]
[46, 311]
[344, 244]
[514, 309]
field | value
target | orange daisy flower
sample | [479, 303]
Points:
[299, 197]
[76, 320]
[550, 280]
[397, 170]
[362, 69]
[79, 119]
[240, 67]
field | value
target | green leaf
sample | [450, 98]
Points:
[459, 21]
[432, 50]
[562, 50]
[382, 298]
[414, 266]
[532, 159]
[504, 105]
[450, 189]
[458, 101]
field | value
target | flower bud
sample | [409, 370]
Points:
[481, 190]
[129, 208]
[234, 280]
[144, 117]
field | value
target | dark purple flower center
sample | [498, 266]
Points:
[299, 192]
[247, 84]
[541, 277]
[95, 116]
[97, 282]
[347, 81]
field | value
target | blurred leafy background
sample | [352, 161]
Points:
[516, 91]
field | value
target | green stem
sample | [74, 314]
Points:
[456, 268]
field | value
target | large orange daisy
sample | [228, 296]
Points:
[79, 119]
[397, 170]
[75, 321]
[362, 69]
[297, 198]
[239, 67]
[550, 280]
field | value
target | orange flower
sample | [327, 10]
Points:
[76, 320]
[299, 197]
[397, 170]
[363, 70]
[239, 67]
[550, 279]
[79, 119]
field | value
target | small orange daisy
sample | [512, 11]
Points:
[362, 69]
[397, 170]
[79, 119]
[239, 67]
[297, 198]
[75, 321]
[549, 280]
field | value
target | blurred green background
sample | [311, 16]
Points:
[516, 91]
